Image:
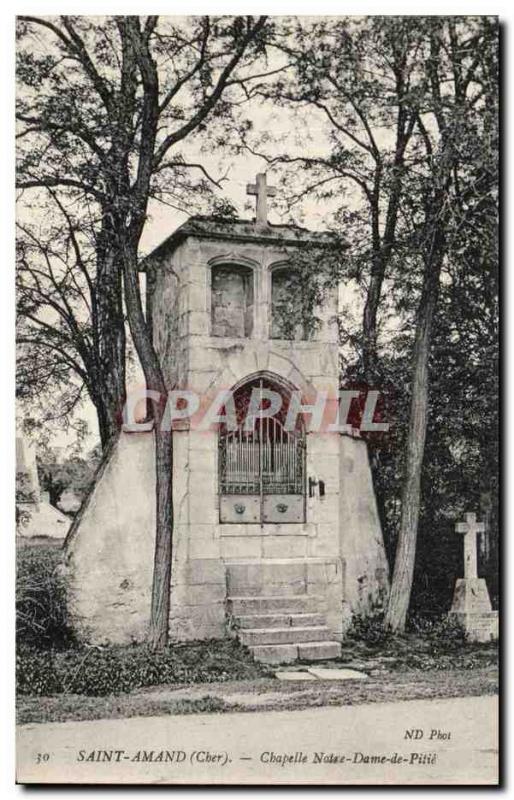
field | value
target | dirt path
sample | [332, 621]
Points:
[456, 743]
[260, 694]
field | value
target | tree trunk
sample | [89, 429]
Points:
[106, 421]
[161, 586]
[399, 598]
[369, 326]
[109, 339]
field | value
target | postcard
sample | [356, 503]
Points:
[257, 492]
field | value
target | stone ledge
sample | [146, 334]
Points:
[314, 651]
[254, 529]
[289, 653]
[275, 653]
[289, 635]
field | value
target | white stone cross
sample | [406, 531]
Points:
[262, 192]
[470, 528]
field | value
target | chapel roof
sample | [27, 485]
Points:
[238, 230]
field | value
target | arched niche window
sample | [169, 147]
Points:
[287, 304]
[262, 464]
[231, 301]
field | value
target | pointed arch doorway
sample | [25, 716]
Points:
[262, 467]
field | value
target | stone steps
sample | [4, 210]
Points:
[301, 603]
[281, 629]
[289, 653]
[280, 620]
[283, 635]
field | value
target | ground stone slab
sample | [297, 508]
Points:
[337, 674]
[294, 676]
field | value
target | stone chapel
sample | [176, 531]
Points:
[277, 538]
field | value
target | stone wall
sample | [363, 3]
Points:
[181, 304]
[336, 553]
[366, 577]
[198, 582]
[109, 550]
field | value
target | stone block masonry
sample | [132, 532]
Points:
[296, 536]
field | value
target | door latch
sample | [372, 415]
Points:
[312, 485]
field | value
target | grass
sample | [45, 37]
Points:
[258, 695]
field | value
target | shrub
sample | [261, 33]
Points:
[437, 628]
[369, 629]
[429, 643]
[35, 671]
[41, 617]
[113, 670]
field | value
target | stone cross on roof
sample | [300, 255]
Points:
[470, 528]
[262, 192]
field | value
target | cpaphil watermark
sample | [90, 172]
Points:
[320, 412]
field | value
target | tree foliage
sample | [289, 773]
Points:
[83, 126]
[120, 96]
[407, 110]
[397, 134]
[74, 472]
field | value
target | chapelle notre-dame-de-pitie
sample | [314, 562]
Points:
[276, 534]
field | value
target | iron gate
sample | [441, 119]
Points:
[262, 473]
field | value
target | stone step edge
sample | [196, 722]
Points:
[286, 645]
[283, 597]
[293, 636]
[299, 604]
[298, 644]
[287, 648]
[305, 629]
[243, 627]
[283, 615]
